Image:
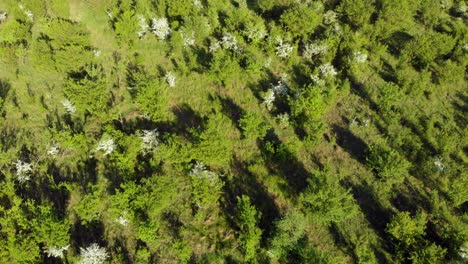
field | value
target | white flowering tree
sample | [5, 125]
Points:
[188, 38]
[106, 145]
[53, 150]
[327, 70]
[143, 26]
[269, 99]
[160, 28]
[206, 186]
[282, 50]
[360, 57]
[23, 171]
[229, 41]
[170, 79]
[3, 16]
[93, 254]
[69, 106]
[56, 252]
[314, 49]
[149, 140]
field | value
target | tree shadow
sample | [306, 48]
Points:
[187, 120]
[231, 110]
[245, 183]
[352, 144]
[281, 161]
[375, 213]
[4, 89]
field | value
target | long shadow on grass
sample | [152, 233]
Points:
[244, 182]
[281, 161]
[352, 144]
[231, 110]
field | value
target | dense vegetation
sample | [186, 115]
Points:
[242, 131]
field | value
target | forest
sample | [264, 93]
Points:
[234, 131]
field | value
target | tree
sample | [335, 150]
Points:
[300, 20]
[388, 164]
[253, 126]
[287, 233]
[326, 201]
[247, 220]
[406, 229]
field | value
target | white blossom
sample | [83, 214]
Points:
[197, 4]
[316, 79]
[109, 14]
[122, 220]
[23, 171]
[96, 52]
[280, 88]
[106, 145]
[269, 99]
[170, 79]
[228, 41]
[282, 50]
[93, 254]
[283, 119]
[465, 47]
[329, 17]
[69, 107]
[199, 170]
[27, 12]
[327, 70]
[255, 34]
[56, 252]
[3, 16]
[267, 63]
[143, 26]
[53, 150]
[189, 40]
[214, 46]
[360, 57]
[461, 7]
[438, 163]
[464, 251]
[149, 139]
[160, 28]
[314, 49]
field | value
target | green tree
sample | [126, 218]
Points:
[326, 201]
[253, 126]
[300, 20]
[406, 229]
[247, 220]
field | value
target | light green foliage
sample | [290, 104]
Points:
[327, 115]
[247, 220]
[389, 165]
[127, 27]
[406, 229]
[151, 96]
[354, 11]
[212, 146]
[66, 40]
[14, 32]
[300, 20]
[253, 126]
[326, 201]
[89, 93]
[289, 230]
[430, 254]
